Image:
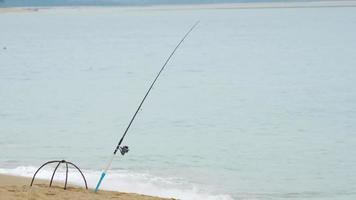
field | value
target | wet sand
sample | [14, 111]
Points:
[17, 188]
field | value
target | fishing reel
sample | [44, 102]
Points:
[124, 150]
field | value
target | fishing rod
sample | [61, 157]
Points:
[125, 149]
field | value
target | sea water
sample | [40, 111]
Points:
[256, 103]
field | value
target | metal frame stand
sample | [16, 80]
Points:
[54, 172]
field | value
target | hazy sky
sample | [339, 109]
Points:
[5, 3]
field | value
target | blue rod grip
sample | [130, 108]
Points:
[101, 179]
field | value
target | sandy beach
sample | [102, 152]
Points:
[17, 188]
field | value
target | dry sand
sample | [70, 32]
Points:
[17, 188]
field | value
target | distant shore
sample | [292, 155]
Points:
[17, 188]
[265, 5]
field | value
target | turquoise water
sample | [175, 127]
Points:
[256, 104]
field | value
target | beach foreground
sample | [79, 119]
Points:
[17, 188]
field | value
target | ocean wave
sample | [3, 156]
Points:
[125, 181]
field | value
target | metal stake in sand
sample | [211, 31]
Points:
[125, 149]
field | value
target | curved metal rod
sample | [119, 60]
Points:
[49, 162]
[65, 183]
[85, 181]
[50, 183]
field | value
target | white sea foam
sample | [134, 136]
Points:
[125, 181]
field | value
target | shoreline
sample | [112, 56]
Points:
[17, 188]
[252, 5]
